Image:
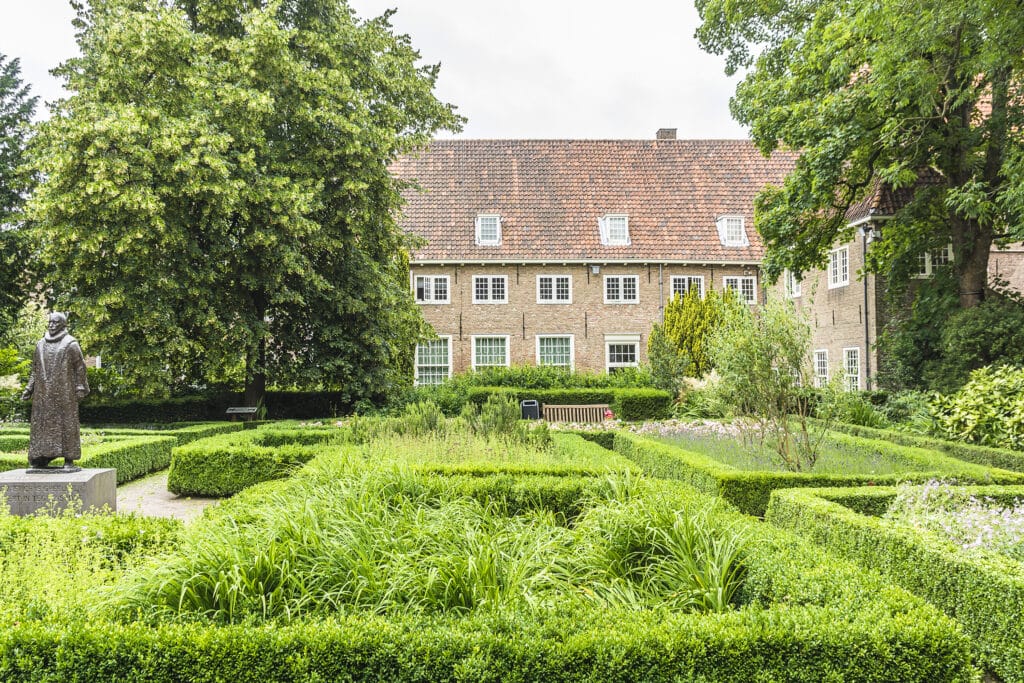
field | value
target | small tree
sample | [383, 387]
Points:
[764, 360]
[679, 346]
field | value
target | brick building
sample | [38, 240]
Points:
[564, 252]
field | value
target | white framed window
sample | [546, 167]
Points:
[928, 261]
[839, 267]
[554, 289]
[820, 367]
[490, 351]
[621, 351]
[614, 228]
[682, 284]
[793, 285]
[488, 229]
[745, 286]
[851, 368]
[431, 289]
[555, 349]
[490, 289]
[731, 231]
[434, 360]
[621, 289]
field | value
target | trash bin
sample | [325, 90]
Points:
[530, 409]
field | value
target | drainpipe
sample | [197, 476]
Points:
[661, 291]
[867, 323]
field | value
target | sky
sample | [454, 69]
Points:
[582, 69]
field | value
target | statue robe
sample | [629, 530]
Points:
[58, 372]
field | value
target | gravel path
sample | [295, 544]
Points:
[149, 496]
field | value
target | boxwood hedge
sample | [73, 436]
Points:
[808, 617]
[627, 404]
[984, 591]
[751, 490]
[131, 455]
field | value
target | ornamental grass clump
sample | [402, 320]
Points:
[941, 509]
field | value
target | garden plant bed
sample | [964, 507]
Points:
[982, 589]
[359, 570]
[750, 489]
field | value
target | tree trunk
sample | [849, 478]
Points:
[256, 362]
[971, 246]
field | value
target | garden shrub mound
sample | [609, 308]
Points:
[982, 589]
[627, 404]
[799, 615]
[226, 464]
[1003, 458]
[750, 490]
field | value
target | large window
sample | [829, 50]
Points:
[555, 350]
[745, 287]
[432, 289]
[490, 351]
[820, 367]
[621, 351]
[851, 364]
[621, 289]
[554, 289]
[490, 289]
[683, 284]
[434, 361]
[839, 267]
[488, 229]
[614, 229]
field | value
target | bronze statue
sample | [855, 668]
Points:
[58, 382]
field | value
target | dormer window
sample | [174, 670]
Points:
[488, 229]
[614, 229]
[731, 231]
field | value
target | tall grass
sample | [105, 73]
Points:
[343, 540]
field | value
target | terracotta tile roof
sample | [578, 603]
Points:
[883, 200]
[550, 194]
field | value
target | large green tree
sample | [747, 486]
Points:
[217, 203]
[16, 109]
[922, 95]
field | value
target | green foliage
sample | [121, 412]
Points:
[763, 358]
[11, 363]
[864, 109]
[216, 205]
[627, 404]
[988, 410]
[983, 594]
[635, 405]
[853, 408]
[669, 365]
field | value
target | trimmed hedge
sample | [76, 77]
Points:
[809, 617]
[1003, 458]
[984, 591]
[280, 405]
[750, 490]
[627, 404]
[131, 455]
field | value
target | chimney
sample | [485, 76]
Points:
[666, 134]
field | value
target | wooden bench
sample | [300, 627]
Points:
[590, 413]
[245, 412]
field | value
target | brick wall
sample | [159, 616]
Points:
[588, 319]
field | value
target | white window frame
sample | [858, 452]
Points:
[487, 218]
[554, 289]
[794, 287]
[851, 373]
[732, 230]
[820, 363]
[490, 289]
[472, 341]
[572, 349]
[416, 367]
[687, 283]
[622, 279]
[620, 339]
[839, 267]
[927, 259]
[604, 225]
[737, 286]
[432, 289]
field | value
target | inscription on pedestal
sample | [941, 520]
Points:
[27, 493]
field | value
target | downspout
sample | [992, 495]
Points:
[661, 291]
[867, 323]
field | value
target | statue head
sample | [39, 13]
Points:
[56, 322]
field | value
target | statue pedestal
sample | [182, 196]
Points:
[27, 493]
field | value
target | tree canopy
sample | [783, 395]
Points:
[923, 96]
[16, 109]
[216, 202]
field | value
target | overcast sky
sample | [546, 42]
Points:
[514, 68]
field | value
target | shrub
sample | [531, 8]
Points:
[641, 404]
[628, 404]
[988, 410]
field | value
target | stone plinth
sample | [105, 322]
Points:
[26, 493]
